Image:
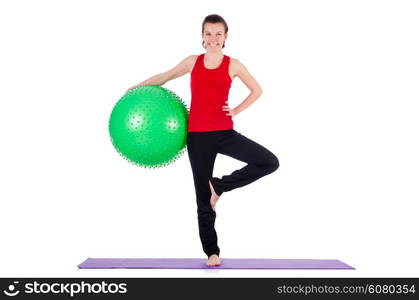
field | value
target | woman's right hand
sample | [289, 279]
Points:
[133, 87]
[161, 78]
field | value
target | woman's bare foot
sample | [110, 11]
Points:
[213, 260]
[214, 196]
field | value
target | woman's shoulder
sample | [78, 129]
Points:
[192, 58]
[190, 61]
[234, 61]
[235, 65]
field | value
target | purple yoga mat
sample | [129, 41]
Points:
[199, 263]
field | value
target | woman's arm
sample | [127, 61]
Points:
[255, 90]
[181, 69]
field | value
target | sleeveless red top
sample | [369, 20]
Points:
[209, 91]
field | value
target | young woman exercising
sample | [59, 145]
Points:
[210, 127]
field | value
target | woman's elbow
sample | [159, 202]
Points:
[163, 78]
[258, 92]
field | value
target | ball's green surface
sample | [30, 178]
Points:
[148, 126]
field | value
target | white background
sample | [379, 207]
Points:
[339, 109]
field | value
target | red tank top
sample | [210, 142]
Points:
[209, 91]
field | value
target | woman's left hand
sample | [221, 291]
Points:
[230, 111]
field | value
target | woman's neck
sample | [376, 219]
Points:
[214, 55]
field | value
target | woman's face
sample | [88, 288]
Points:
[214, 36]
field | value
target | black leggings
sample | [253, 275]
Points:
[202, 150]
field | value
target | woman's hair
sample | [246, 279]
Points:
[215, 19]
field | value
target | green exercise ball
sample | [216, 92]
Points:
[148, 126]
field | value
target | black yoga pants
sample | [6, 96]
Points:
[203, 148]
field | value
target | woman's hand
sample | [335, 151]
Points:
[230, 111]
[131, 88]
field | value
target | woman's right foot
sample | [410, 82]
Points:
[213, 260]
[214, 196]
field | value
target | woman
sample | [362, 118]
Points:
[210, 127]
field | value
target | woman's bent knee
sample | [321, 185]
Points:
[273, 164]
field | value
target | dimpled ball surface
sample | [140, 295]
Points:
[148, 126]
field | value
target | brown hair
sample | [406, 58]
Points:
[215, 19]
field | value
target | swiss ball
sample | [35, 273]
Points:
[148, 126]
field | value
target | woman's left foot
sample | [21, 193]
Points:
[214, 196]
